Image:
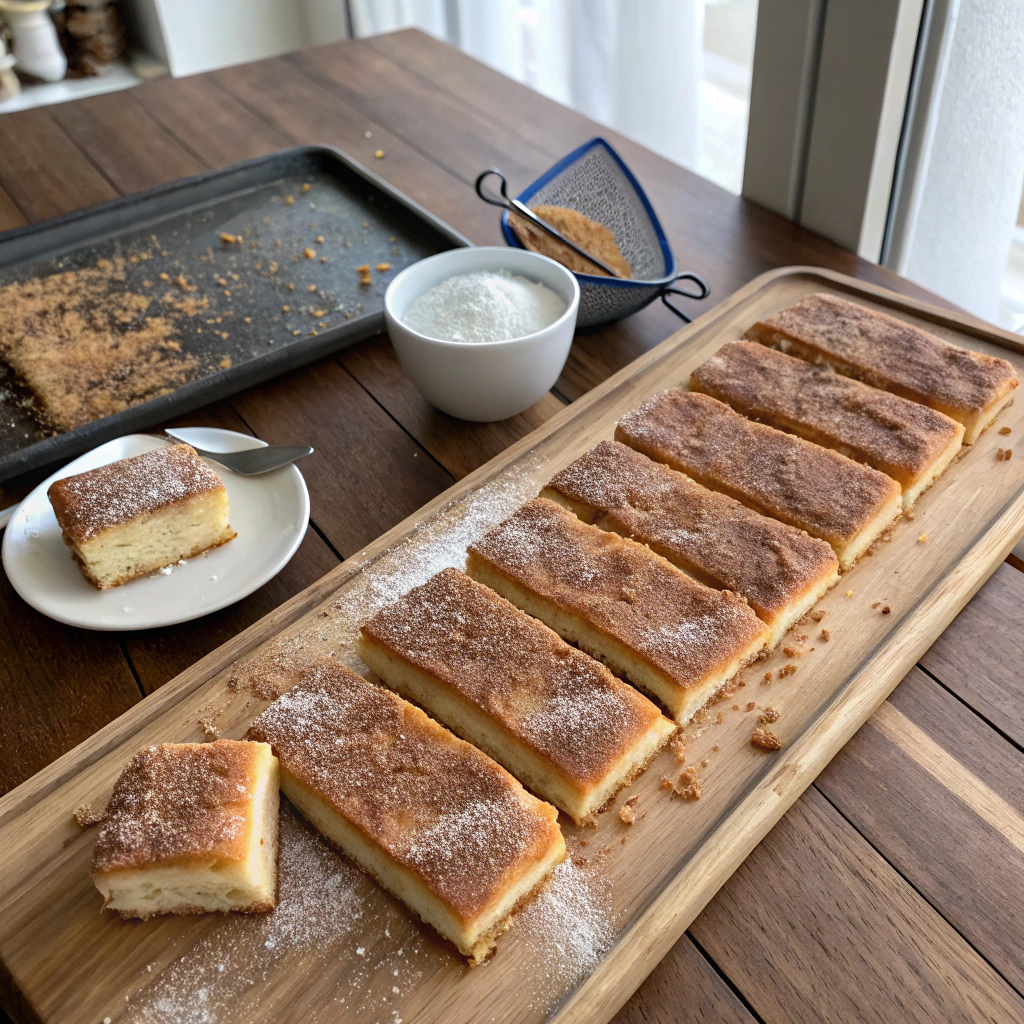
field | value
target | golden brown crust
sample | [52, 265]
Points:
[803, 484]
[179, 802]
[622, 589]
[714, 537]
[889, 353]
[435, 804]
[892, 434]
[588, 234]
[551, 697]
[88, 503]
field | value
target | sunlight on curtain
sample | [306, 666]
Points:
[671, 74]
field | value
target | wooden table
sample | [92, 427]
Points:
[892, 889]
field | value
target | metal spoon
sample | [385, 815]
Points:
[523, 210]
[252, 461]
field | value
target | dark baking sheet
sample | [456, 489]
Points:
[175, 230]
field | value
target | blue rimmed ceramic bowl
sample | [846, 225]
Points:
[595, 181]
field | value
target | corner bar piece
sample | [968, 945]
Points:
[435, 821]
[780, 570]
[554, 717]
[621, 603]
[779, 475]
[889, 353]
[905, 440]
[191, 828]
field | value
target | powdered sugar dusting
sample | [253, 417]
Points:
[437, 544]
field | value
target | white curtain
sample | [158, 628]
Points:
[635, 65]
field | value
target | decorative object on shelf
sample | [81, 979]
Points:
[93, 35]
[37, 50]
[9, 84]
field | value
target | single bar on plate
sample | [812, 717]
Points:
[191, 828]
[140, 514]
[889, 353]
[554, 717]
[436, 822]
[905, 440]
[780, 570]
[779, 475]
[668, 634]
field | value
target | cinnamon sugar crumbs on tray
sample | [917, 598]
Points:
[825, 636]
[786, 670]
[1004, 431]
[765, 739]
[768, 716]
[923, 539]
[687, 786]
[626, 813]
[86, 816]
[767, 678]
[678, 746]
[751, 706]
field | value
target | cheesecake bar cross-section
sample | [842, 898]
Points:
[777, 474]
[780, 570]
[436, 821]
[140, 514]
[889, 353]
[620, 602]
[903, 439]
[554, 717]
[191, 828]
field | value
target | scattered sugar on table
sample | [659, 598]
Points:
[484, 306]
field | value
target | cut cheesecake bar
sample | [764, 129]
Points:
[630, 608]
[905, 440]
[436, 822]
[889, 353]
[778, 569]
[191, 828]
[554, 717]
[140, 514]
[812, 488]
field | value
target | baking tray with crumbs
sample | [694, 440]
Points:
[115, 318]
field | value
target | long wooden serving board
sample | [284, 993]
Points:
[338, 947]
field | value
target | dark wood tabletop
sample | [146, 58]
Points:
[892, 889]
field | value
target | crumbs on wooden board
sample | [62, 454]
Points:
[765, 739]
[86, 815]
[686, 786]
[627, 814]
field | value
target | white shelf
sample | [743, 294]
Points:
[116, 76]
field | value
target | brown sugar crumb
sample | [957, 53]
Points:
[182, 282]
[289, 200]
[230, 239]
[923, 539]
[626, 813]
[765, 739]
[818, 615]
[209, 729]
[751, 706]
[792, 652]
[1004, 431]
[886, 609]
[825, 636]
[875, 605]
[306, 186]
[225, 362]
[678, 746]
[584, 842]
[164, 276]
[786, 670]
[383, 267]
[86, 816]
[290, 286]
[590, 821]
[735, 707]
[310, 254]
[849, 593]
[1004, 454]
[716, 748]
[767, 678]
[311, 288]
[768, 716]
[379, 154]
[718, 718]
[687, 786]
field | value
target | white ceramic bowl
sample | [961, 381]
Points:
[490, 380]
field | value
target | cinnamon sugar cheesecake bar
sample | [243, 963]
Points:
[436, 822]
[889, 353]
[140, 514]
[812, 488]
[190, 828]
[905, 440]
[780, 570]
[554, 717]
[668, 634]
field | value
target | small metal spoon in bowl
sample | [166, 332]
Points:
[252, 461]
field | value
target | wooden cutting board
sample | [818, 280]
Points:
[338, 948]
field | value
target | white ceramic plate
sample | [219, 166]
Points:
[270, 514]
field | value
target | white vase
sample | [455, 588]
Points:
[36, 46]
